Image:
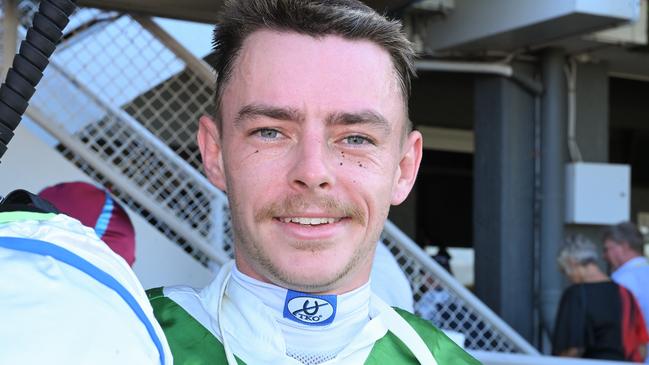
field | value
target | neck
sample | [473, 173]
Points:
[624, 258]
[275, 297]
[631, 255]
[351, 282]
[592, 274]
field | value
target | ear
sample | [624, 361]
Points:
[408, 167]
[209, 143]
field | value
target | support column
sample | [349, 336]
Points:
[552, 204]
[503, 200]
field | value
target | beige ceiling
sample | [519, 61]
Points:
[196, 10]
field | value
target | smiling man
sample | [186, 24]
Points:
[312, 143]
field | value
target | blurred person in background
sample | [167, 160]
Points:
[597, 318]
[94, 207]
[623, 250]
[443, 257]
[435, 296]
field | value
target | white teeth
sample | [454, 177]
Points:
[309, 221]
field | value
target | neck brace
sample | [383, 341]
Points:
[341, 319]
[249, 328]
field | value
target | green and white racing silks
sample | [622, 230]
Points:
[194, 321]
[66, 298]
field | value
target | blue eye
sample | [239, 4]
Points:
[356, 140]
[267, 133]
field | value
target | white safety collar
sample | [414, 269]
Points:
[384, 318]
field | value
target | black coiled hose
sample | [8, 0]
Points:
[29, 64]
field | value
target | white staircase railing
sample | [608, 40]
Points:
[124, 106]
[456, 308]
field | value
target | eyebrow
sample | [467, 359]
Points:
[367, 117]
[252, 111]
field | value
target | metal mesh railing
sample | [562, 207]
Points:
[129, 101]
[443, 301]
[125, 109]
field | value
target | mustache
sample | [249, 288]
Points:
[293, 205]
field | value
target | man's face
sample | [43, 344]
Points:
[614, 254]
[311, 153]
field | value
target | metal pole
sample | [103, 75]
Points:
[468, 67]
[10, 30]
[553, 142]
[501, 69]
[537, 324]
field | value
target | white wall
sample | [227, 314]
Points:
[32, 165]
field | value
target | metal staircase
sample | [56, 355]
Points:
[122, 98]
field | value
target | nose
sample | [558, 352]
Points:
[311, 165]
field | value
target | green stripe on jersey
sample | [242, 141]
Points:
[190, 342]
[8, 217]
[193, 344]
[444, 350]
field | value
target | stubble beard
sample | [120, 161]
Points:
[254, 252]
[310, 283]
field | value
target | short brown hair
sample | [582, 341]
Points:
[349, 19]
[625, 232]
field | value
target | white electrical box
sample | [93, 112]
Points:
[597, 193]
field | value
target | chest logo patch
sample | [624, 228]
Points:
[309, 309]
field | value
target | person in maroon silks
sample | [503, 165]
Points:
[94, 207]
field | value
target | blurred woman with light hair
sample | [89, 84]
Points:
[597, 318]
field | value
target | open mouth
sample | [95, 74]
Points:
[310, 221]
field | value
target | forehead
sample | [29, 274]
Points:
[313, 75]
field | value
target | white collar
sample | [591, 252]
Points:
[248, 327]
[350, 314]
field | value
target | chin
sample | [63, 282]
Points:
[314, 280]
[308, 286]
